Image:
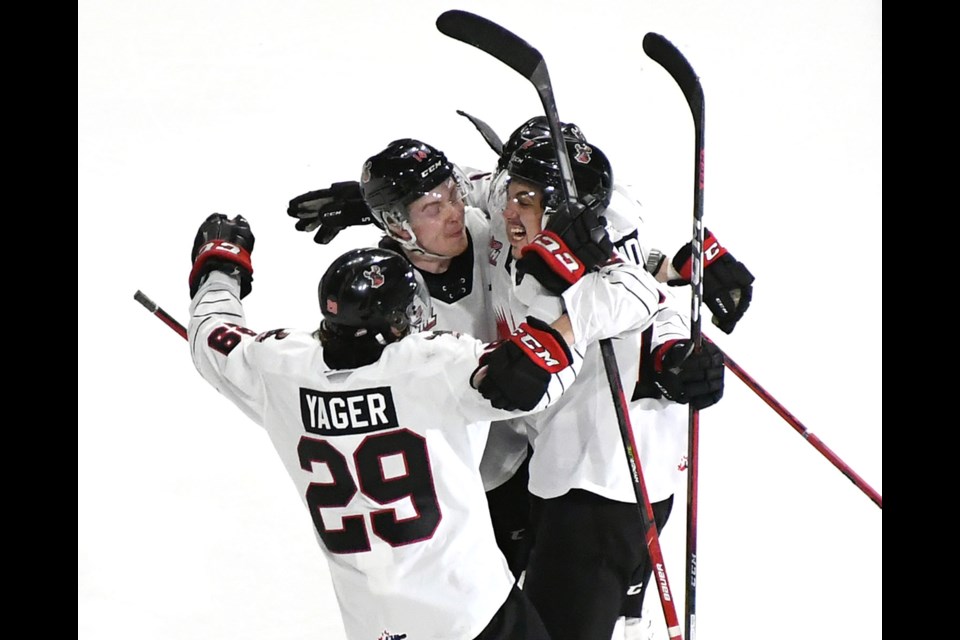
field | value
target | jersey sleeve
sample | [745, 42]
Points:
[619, 297]
[220, 344]
[672, 321]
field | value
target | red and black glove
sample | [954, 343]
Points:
[696, 378]
[574, 242]
[222, 244]
[727, 284]
[519, 368]
[329, 211]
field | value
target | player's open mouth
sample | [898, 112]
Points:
[517, 232]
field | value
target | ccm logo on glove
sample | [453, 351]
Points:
[551, 248]
[550, 356]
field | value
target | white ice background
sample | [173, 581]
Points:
[188, 527]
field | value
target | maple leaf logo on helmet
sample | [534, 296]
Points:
[375, 276]
[583, 153]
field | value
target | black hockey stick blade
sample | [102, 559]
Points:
[507, 47]
[489, 135]
[669, 57]
[522, 57]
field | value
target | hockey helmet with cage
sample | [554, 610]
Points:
[536, 162]
[534, 129]
[373, 292]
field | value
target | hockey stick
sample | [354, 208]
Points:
[816, 442]
[155, 309]
[669, 57]
[489, 135]
[517, 54]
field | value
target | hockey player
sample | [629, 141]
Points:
[588, 524]
[381, 429]
[418, 198]
[328, 211]
[728, 288]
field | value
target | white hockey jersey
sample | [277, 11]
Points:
[659, 426]
[385, 459]
[576, 442]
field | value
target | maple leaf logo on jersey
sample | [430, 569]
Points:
[392, 636]
[375, 276]
[503, 327]
[583, 153]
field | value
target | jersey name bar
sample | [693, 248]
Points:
[347, 412]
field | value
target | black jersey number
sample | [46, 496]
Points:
[415, 483]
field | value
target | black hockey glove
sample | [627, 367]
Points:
[519, 368]
[222, 244]
[696, 379]
[574, 242]
[727, 284]
[330, 210]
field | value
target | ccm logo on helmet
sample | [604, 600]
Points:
[431, 169]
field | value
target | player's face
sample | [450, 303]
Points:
[437, 220]
[523, 214]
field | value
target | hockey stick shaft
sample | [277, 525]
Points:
[814, 441]
[526, 60]
[155, 309]
[669, 57]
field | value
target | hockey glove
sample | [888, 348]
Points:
[222, 244]
[330, 210]
[727, 284]
[519, 368]
[574, 242]
[696, 379]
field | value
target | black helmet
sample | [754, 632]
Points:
[373, 291]
[534, 129]
[536, 162]
[401, 173]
